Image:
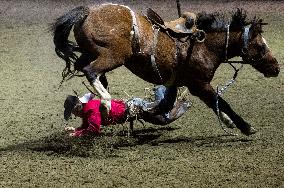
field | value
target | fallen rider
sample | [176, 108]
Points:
[164, 110]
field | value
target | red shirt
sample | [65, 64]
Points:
[92, 119]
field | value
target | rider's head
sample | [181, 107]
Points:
[72, 105]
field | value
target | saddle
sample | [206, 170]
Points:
[182, 27]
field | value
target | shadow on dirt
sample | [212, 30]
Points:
[210, 141]
[108, 144]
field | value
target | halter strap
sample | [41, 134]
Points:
[246, 38]
[245, 47]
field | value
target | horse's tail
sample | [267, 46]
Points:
[65, 48]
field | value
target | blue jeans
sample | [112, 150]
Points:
[164, 101]
[165, 96]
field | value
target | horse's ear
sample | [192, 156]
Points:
[260, 21]
[257, 26]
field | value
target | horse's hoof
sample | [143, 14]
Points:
[249, 131]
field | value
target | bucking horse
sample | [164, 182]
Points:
[169, 53]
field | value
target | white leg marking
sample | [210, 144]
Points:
[104, 94]
[227, 121]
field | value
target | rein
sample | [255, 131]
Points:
[221, 90]
[244, 52]
[226, 50]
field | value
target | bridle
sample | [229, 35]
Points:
[246, 38]
[244, 51]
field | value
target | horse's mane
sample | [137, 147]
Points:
[212, 22]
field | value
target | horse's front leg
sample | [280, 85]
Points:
[207, 94]
[240, 123]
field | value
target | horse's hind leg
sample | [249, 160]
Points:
[106, 61]
[94, 79]
[84, 60]
[103, 80]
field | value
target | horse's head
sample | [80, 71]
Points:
[256, 52]
[251, 46]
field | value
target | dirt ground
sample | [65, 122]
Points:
[191, 152]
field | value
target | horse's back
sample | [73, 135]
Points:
[107, 25]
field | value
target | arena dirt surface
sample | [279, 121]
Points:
[191, 152]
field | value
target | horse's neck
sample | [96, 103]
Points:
[216, 42]
[235, 44]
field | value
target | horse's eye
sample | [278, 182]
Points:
[262, 48]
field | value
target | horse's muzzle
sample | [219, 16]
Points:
[268, 65]
[273, 73]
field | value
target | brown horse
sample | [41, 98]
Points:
[109, 36]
